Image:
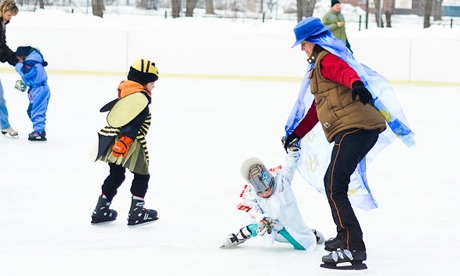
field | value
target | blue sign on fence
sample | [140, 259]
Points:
[453, 11]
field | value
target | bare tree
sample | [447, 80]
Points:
[98, 7]
[209, 6]
[437, 13]
[189, 7]
[309, 7]
[41, 4]
[147, 4]
[305, 9]
[271, 4]
[378, 15]
[427, 15]
[175, 8]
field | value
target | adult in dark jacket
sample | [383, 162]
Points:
[343, 106]
[8, 9]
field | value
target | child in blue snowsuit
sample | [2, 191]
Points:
[31, 68]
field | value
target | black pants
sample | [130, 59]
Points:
[116, 177]
[350, 147]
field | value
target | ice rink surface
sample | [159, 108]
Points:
[201, 132]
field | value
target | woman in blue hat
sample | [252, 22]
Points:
[349, 100]
[343, 106]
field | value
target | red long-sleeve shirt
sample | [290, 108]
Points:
[334, 69]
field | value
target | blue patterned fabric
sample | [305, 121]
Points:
[315, 150]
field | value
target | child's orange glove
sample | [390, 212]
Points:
[121, 147]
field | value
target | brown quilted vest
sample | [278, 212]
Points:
[335, 108]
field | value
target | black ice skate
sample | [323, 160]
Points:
[332, 244]
[37, 136]
[102, 213]
[233, 240]
[339, 256]
[138, 214]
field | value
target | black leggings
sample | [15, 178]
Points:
[116, 177]
[350, 147]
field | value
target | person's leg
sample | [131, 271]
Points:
[347, 44]
[283, 232]
[29, 111]
[113, 181]
[137, 213]
[350, 148]
[140, 185]
[39, 106]
[102, 212]
[4, 123]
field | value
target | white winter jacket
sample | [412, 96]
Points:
[282, 207]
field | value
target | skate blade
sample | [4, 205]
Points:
[136, 225]
[102, 222]
[37, 139]
[6, 134]
[96, 221]
[344, 266]
[228, 247]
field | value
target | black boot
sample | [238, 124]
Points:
[354, 257]
[332, 244]
[138, 214]
[345, 255]
[102, 212]
[37, 136]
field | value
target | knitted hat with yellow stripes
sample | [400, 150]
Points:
[143, 71]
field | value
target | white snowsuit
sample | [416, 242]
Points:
[282, 208]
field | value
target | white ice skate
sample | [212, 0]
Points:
[10, 131]
[233, 240]
[319, 236]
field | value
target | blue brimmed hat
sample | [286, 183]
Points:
[308, 27]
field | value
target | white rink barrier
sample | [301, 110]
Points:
[229, 55]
